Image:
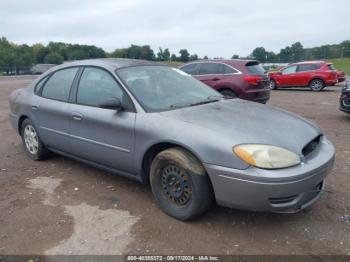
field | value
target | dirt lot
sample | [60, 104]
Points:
[60, 206]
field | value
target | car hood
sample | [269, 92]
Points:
[241, 121]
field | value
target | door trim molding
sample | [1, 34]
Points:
[86, 140]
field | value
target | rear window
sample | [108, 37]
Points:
[209, 68]
[308, 67]
[254, 68]
[331, 67]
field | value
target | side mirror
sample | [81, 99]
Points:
[279, 72]
[111, 103]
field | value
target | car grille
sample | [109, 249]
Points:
[310, 147]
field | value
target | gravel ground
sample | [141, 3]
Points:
[60, 206]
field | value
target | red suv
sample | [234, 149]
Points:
[245, 79]
[315, 74]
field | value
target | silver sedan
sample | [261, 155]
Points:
[158, 125]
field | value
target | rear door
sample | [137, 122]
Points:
[101, 135]
[210, 73]
[288, 76]
[51, 108]
[304, 74]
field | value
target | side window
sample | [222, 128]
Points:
[209, 68]
[191, 69]
[228, 70]
[96, 86]
[59, 84]
[289, 70]
[304, 68]
[40, 85]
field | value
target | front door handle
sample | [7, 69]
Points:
[216, 79]
[35, 107]
[77, 116]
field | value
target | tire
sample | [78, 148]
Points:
[33, 146]
[180, 185]
[273, 85]
[317, 85]
[228, 93]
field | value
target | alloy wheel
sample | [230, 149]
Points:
[31, 139]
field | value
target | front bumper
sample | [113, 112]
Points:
[283, 190]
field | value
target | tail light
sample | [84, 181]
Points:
[253, 80]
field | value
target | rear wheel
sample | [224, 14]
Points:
[180, 185]
[31, 141]
[317, 85]
[228, 93]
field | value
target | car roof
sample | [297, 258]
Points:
[115, 63]
[233, 62]
[309, 62]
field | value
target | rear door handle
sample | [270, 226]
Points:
[35, 107]
[77, 116]
[215, 79]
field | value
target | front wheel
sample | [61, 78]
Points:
[317, 85]
[31, 141]
[273, 85]
[180, 185]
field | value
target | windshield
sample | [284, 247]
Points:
[160, 88]
[254, 68]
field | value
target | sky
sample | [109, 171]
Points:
[218, 28]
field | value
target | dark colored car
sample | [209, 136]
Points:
[245, 79]
[345, 98]
[341, 76]
[314, 74]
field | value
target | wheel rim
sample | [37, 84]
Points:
[176, 185]
[31, 139]
[316, 85]
[272, 84]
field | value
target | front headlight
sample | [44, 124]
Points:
[266, 156]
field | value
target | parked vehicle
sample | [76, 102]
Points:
[313, 74]
[157, 124]
[341, 76]
[345, 98]
[245, 79]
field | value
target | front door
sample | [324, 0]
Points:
[105, 136]
[288, 76]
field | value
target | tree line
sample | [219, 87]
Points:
[296, 52]
[22, 55]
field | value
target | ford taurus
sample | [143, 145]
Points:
[161, 126]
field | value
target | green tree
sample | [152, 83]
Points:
[235, 56]
[259, 54]
[193, 57]
[163, 55]
[53, 58]
[78, 55]
[297, 52]
[184, 55]
[173, 57]
[120, 53]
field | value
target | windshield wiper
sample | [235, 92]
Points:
[201, 102]
[204, 102]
